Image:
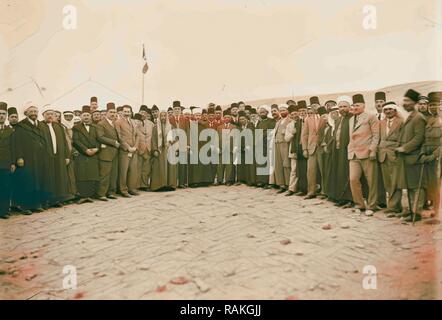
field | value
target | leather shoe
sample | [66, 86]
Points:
[104, 199]
[290, 193]
[112, 197]
[134, 193]
[417, 218]
[38, 210]
[312, 196]
[281, 191]
[125, 195]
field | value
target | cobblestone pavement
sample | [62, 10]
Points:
[216, 243]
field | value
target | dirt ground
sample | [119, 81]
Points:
[217, 243]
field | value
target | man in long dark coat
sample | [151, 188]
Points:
[245, 168]
[30, 157]
[7, 165]
[412, 137]
[265, 124]
[200, 174]
[86, 163]
[57, 158]
[340, 192]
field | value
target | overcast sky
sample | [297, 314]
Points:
[201, 51]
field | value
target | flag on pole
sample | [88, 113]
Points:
[146, 66]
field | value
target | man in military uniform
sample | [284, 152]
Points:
[431, 150]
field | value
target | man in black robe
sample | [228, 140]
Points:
[7, 165]
[86, 163]
[339, 191]
[57, 159]
[30, 156]
[265, 124]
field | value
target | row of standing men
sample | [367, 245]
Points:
[336, 151]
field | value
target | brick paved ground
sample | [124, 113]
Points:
[225, 243]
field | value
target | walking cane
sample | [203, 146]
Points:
[416, 198]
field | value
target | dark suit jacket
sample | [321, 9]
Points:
[108, 137]
[6, 157]
[412, 136]
[86, 167]
[389, 142]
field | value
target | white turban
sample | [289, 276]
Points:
[186, 111]
[47, 108]
[197, 110]
[283, 105]
[29, 104]
[390, 105]
[265, 107]
[345, 99]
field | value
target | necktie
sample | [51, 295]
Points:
[355, 122]
[389, 123]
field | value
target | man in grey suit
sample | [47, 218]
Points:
[128, 158]
[108, 157]
[362, 148]
[389, 140]
[412, 138]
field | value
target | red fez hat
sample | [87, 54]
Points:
[413, 95]
[302, 104]
[12, 111]
[435, 97]
[380, 96]
[86, 109]
[358, 98]
[314, 100]
[110, 106]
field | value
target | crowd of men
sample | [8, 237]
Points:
[337, 151]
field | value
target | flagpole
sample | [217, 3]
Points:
[142, 90]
